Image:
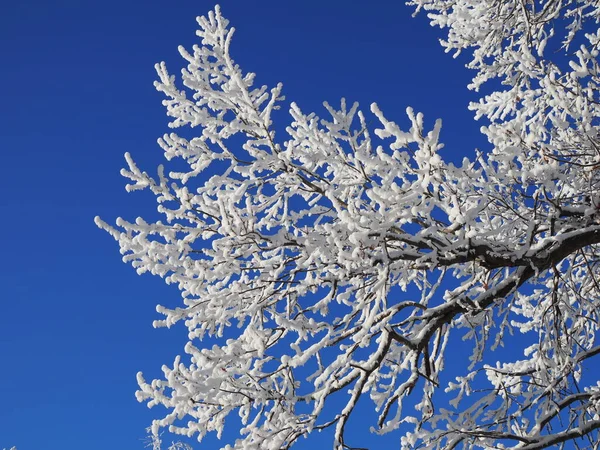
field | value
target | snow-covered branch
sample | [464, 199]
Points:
[332, 261]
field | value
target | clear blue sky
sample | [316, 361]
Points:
[77, 94]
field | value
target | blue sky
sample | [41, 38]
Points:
[77, 94]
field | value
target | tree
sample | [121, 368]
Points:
[339, 260]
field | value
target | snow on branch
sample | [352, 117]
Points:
[333, 263]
